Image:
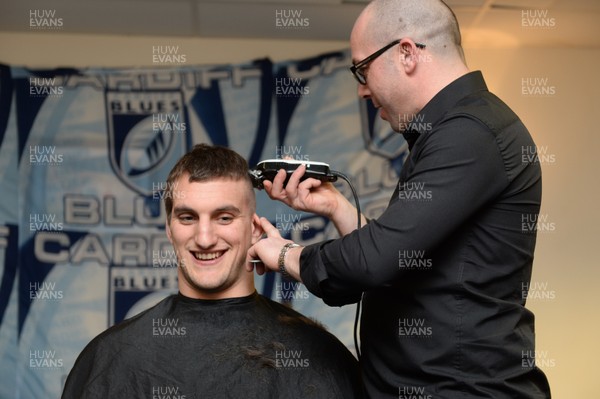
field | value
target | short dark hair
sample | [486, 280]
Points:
[204, 163]
[431, 22]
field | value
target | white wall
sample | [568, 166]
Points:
[566, 270]
[55, 49]
[568, 325]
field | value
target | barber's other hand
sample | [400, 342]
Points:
[268, 250]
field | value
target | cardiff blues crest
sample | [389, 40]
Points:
[147, 131]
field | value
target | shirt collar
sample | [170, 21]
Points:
[218, 302]
[435, 110]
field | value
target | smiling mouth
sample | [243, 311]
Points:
[208, 255]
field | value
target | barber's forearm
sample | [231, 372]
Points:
[345, 217]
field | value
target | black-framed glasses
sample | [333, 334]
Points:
[357, 68]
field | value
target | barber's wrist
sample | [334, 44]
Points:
[345, 218]
[289, 261]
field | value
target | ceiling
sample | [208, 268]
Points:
[485, 23]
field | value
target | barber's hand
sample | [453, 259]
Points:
[268, 250]
[311, 195]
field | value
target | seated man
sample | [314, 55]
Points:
[217, 338]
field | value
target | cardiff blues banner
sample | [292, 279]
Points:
[84, 155]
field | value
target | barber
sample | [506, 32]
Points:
[444, 311]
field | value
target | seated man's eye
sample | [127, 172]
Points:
[185, 218]
[225, 219]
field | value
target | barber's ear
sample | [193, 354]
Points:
[406, 50]
[408, 56]
[257, 230]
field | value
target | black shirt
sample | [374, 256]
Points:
[185, 348]
[445, 267]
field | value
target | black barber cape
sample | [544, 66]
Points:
[183, 348]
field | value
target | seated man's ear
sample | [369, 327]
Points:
[168, 230]
[257, 230]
